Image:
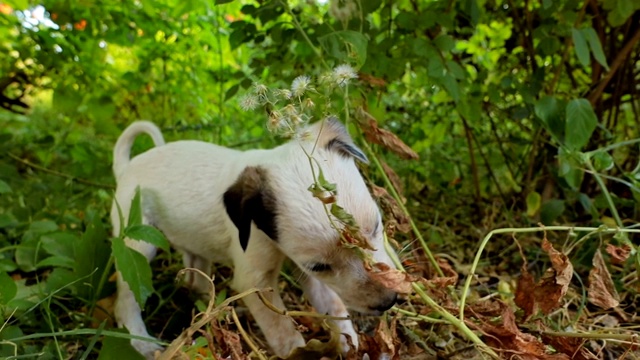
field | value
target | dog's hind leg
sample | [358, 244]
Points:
[127, 310]
[326, 301]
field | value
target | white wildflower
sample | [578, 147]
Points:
[249, 102]
[260, 89]
[308, 104]
[343, 10]
[283, 93]
[343, 74]
[300, 85]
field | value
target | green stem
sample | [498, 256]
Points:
[605, 191]
[395, 195]
[485, 241]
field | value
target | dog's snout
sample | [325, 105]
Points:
[382, 307]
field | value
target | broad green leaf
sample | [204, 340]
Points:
[602, 161]
[4, 187]
[346, 46]
[533, 203]
[445, 42]
[581, 121]
[551, 210]
[596, 46]
[92, 252]
[135, 270]
[549, 110]
[135, 211]
[582, 49]
[342, 215]
[60, 244]
[149, 234]
[451, 85]
[8, 288]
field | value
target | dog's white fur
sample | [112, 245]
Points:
[209, 201]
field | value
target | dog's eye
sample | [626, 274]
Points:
[320, 267]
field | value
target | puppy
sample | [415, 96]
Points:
[251, 210]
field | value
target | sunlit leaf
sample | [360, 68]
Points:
[533, 203]
[149, 234]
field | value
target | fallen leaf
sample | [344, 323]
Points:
[399, 220]
[524, 297]
[555, 282]
[390, 278]
[507, 338]
[389, 140]
[619, 254]
[450, 276]
[601, 291]
[570, 346]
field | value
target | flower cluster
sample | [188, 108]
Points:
[290, 108]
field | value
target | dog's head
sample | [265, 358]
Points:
[274, 195]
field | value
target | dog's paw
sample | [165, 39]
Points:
[147, 349]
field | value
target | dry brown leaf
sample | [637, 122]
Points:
[450, 276]
[103, 311]
[390, 278]
[525, 298]
[389, 140]
[508, 339]
[602, 292]
[619, 254]
[570, 346]
[399, 220]
[372, 80]
[555, 281]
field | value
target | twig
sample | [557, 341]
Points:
[246, 336]
[57, 173]
[617, 62]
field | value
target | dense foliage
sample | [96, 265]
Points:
[516, 112]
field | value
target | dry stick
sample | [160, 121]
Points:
[617, 62]
[472, 156]
[57, 173]
[288, 313]
[246, 336]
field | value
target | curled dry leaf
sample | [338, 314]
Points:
[388, 140]
[525, 298]
[389, 205]
[570, 346]
[619, 254]
[602, 292]
[390, 278]
[555, 281]
[551, 288]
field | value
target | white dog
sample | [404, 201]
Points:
[250, 210]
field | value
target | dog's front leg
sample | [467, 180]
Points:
[261, 271]
[326, 301]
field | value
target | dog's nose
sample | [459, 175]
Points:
[386, 306]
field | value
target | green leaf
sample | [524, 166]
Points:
[549, 110]
[581, 121]
[92, 252]
[135, 211]
[342, 215]
[596, 46]
[582, 50]
[602, 161]
[149, 234]
[445, 42]
[551, 210]
[346, 46]
[135, 270]
[4, 187]
[533, 203]
[8, 288]
[118, 348]
[451, 85]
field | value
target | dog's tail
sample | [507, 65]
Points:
[122, 150]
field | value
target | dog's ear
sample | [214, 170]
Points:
[333, 136]
[250, 199]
